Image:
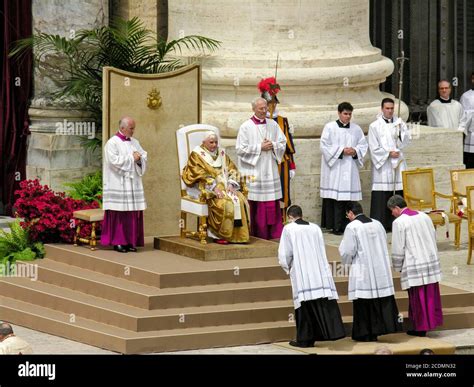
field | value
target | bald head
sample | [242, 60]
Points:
[127, 126]
[444, 88]
[5, 330]
[259, 107]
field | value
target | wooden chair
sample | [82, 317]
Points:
[470, 220]
[93, 216]
[192, 199]
[419, 192]
[460, 180]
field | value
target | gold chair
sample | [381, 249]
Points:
[470, 220]
[460, 180]
[419, 192]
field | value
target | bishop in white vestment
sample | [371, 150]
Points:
[260, 147]
[302, 255]
[467, 125]
[388, 137]
[364, 248]
[123, 196]
[343, 147]
[444, 112]
[415, 255]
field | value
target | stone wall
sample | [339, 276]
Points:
[59, 158]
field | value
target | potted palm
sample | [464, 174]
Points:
[125, 44]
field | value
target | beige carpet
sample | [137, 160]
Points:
[397, 343]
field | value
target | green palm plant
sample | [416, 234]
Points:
[16, 244]
[125, 44]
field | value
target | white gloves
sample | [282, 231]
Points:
[292, 173]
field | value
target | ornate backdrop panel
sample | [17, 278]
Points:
[160, 104]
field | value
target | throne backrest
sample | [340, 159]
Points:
[187, 138]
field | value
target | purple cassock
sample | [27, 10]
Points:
[424, 309]
[123, 195]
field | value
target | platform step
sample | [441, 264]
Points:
[124, 341]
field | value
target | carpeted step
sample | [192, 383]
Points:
[124, 341]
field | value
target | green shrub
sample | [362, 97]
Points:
[16, 245]
[88, 189]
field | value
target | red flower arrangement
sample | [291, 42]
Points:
[48, 214]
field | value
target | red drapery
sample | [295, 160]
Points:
[16, 79]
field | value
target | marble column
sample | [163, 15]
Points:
[52, 157]
[326, 57]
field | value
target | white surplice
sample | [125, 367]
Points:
[122, 176]
[444, 115]
[340, 178]
[467, 120]
[364, 247]
[383, 138]
[261, 167]
[302, 255]
[414, 250]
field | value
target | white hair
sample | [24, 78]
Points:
[210, 134]
[256, 100]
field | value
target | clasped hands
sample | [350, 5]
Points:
[220, 194]
[348, 151]
[267, 145]
[136, 156]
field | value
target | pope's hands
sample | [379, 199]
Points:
[218, 193]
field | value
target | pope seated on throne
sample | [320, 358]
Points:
[217, 177]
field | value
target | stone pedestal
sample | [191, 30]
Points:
[55, 153]
[326, 57]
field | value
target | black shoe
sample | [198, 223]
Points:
[338, 232]
[417, 333]
[366, 339]
[121, 249]
[131, 248]
[301, 344]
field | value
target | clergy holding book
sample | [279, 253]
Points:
[415, 255]
[371, 290]
[260, 147]
[210, 168]
[388, 137]
[302, 255]
[343, 147]
[123, 196]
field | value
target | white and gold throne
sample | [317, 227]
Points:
[192, 200]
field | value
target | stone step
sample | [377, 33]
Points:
[144, 296]
[256, 291]
[137, 319]
[165, 270]
[125, 341]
